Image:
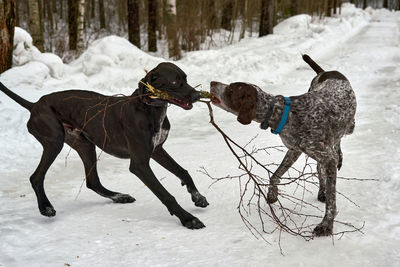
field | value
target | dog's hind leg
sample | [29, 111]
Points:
[87, 152]
[165, 160]
[48, 131]
[328, 160]
[322, 182]
[290, 158]
[50, 152]
[338, 150]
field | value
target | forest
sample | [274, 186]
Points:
[165, 27]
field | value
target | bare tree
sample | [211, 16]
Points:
[80, 27]
[35, 24]
[172, 33]
[151, 30]
[329, 5]
[101, 14]
[294, 7]
[227, 11]
[133, 22]
[8, 12]
[267, 17]
[72, 24]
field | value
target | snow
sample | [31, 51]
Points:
[93, 231]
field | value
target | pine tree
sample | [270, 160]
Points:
[267, 17]
[35, 24]
[133, 22]
[8, 11]
[72, 24]
[152, 27]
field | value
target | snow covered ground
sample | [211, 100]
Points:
[93, 231]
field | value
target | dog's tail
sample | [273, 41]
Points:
[312, 64]
[23, 102]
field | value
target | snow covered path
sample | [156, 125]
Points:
[91, 231]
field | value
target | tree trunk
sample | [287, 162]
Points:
[226, 19]
[328, 11]
[72, 24]
[267, 17]
[335, 3]
[385, 4]
[80, 27]
[172, 32]
[364, 4]
[152, 27]
[101, 14]
[294, 7]
[133, 22]
[244, 19]
[35, 24]
[8, 12]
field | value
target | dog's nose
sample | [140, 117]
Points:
[195, 96]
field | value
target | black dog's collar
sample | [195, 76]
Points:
[264, 125]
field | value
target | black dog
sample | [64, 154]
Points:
[133, 127]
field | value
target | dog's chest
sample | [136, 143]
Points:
[161, 135]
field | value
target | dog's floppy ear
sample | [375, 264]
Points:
[247, 111]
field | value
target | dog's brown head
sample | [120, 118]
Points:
[238, 98]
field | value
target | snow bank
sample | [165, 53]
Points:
[298, 25]
[25, 51]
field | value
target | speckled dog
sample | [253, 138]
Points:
[315, 123]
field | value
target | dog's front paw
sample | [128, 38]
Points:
[193, 223]
[123, 198]
[199, 200]
[272, 195]
[323, 229]
[48, 211]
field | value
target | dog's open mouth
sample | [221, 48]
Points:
[181, 103]
[215, 100]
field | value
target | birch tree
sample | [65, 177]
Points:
[80, 27]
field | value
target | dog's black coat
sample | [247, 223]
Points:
[132, 127]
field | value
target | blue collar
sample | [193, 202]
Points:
[284, 118]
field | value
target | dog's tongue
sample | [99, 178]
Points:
[215, 99]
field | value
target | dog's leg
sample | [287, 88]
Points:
[290, 158]
[165, 160]
[50, 152]
[140, 166]
[49, 132]
[87, 152]
[322, 182]
[338, 150]
[327, 158]
[326, 226]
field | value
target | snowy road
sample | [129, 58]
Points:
[92, 231]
